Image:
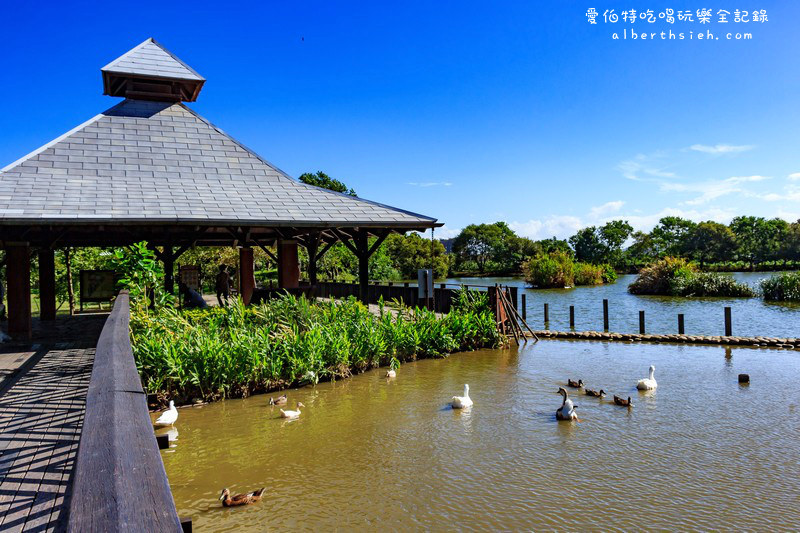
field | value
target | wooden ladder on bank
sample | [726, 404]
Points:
[509, 321]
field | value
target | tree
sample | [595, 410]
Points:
[551, 245]
[792, 245]
[749, 232]
[670, 236]
[320, 179]
[483, 242]
[409, 253]
[710, 242]
[642, 251]
[613, 235]
[587, 245]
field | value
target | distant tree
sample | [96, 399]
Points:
[670, 236]
[750, 232]
[613, 235]
[775, 233]
[792, 245]
[408, 253]
[552, 245]
[710, 242]
[642, 251]
[320, 179]
[587, 245]
[482, 243]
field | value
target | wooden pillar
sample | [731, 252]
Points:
[288, 265]
[168, 258]
[47, 284]
[18, 275]
[641, 322]
[728, 322]
[313, 246]
[247, 281]
[605, 315]
[363, 266]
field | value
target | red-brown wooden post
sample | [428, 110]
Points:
[246, 280]
[18, 273]
[288, 265]
[47, 284]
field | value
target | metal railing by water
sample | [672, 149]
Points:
[120, 483]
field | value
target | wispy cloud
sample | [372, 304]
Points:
[553, 226]
[429, 183]
[719, 149]
[791, 193]
[794, 177]
[606, 209]
[713, 189]
[643, 167]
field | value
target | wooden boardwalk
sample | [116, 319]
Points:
[41, 415]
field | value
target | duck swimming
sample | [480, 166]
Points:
[575, 384]
[168, 417]
[391, 373]
[596, 394]
[623, 402]
[567, 409]
[280, 400]
[462, 402]
[240, 499]
[292, 414]
[648, 383]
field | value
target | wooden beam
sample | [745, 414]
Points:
[378, 242]
[265, 249]
[18, 277]
[47, 284]
[325, 249]
[346, 241]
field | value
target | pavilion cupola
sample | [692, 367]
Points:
[151, 72]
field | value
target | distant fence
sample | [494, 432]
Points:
[120, 483]
[443, 294]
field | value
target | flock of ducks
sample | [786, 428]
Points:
[567, 409]
[565, 412]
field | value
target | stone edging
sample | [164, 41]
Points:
[772, 342]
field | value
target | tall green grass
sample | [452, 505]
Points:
[783, 287]
[673, 276]
[237, 350]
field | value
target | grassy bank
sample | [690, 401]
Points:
[784, 287]
[236, 351]
[677, 277]
[559, 270]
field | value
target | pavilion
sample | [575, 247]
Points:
[151, 169]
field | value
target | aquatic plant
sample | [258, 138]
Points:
[558, 270]
[673, 276]
[237, 350]
[783, 287]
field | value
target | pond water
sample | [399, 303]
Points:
[702, 316]
[700, 452]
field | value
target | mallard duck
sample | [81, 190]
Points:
[280, 400]
[567, 409]
[168, 417]
[575, 384]
[462, 402]
[648, 383]
[240, 499]
[391, 373]
[623, 402]
[595, 393]
[292, 414]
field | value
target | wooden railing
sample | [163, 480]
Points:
[442, 296]
[120, 483]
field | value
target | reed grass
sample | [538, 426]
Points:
[238, 350]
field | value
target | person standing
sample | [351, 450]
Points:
[223, 285]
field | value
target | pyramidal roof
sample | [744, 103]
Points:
[151, 59]
[147, 161]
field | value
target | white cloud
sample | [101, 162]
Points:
[649, 165]
[446, 233]
[606, 209]
[711, 190]
[719, 149]
[794, 177]
[430, 184]
[558, 226]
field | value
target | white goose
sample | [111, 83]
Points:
[168, 417]
[462, 402]
[648, 383]
[567, 409]
[392, 373]
[288, 413]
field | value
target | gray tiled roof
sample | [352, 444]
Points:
[146, 161]
[152, 59]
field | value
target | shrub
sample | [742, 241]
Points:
[609, 273]
[554, 270]
[586, 274]
[676, 277]
[783, 287]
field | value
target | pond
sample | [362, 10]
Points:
[700, 452]
[702, 316]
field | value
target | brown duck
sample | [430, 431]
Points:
[575, 384]
[280, 400]
[240, 499]
[596, 394]
[622, 401]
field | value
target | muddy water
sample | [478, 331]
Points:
[702, 452]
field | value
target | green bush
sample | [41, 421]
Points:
[673, 276]
[554, 270]
[237, 350]
[783, 287]
[609, 273]
[586, 274]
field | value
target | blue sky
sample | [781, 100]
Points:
[469, 112]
